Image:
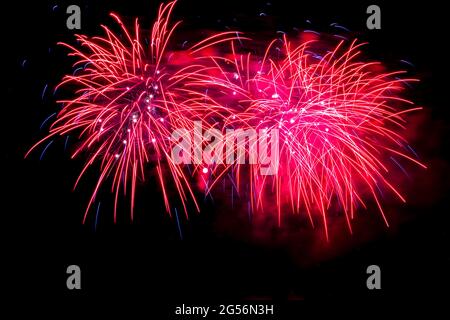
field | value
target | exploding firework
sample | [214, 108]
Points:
[130, 97]
[339, 122]
[339, 119]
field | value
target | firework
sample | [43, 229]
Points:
[339, 119]
[339, 122]
[130, 97]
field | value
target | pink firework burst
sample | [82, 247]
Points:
[339, 121]
[129, 99]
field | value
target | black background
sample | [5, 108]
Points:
[145, 263]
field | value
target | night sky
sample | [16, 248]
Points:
[221, 258]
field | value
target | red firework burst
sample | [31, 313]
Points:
[339, 119]
[339, 122]
[129, 99]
